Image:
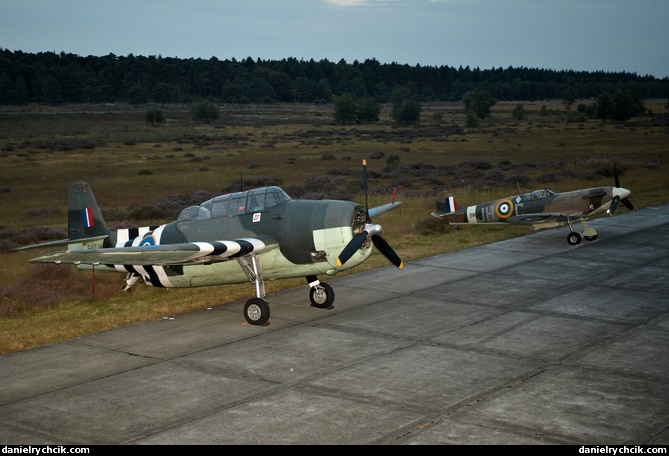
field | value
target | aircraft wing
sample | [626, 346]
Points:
[378, 210]
[161, 255]
[544, 218]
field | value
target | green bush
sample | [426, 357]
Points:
[408, 112]
[205, 111]
[345, 108]
[154, 116]
[480, 102]
[472, 120]
[518, 112]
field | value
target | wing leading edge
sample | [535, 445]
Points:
[378, 210]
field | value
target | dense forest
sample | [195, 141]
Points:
[57, 78]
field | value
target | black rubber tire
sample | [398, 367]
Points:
[256, 311]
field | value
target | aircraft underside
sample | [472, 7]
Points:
[248, 268]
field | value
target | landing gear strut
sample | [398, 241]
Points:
[130, 280]
[589, 233]
[256, 310]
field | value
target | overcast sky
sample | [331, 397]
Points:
[580, 35]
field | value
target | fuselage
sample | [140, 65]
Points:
[293, 238]
[525, 208]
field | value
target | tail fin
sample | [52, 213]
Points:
[449, 205]
[84, 218]
[85, 224]
[449, 210]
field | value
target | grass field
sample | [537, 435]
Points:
[132, 164]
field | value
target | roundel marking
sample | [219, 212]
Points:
[504, 208]
[148, 240]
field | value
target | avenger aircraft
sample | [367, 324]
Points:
[249, 236]
[542, 209]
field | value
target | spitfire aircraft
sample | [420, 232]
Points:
[249, 236]
[542, 209]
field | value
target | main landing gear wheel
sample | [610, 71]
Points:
[322, 296]
[256, 311]
[574, 238]
[590, 238]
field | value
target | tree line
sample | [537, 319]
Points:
[57, 78]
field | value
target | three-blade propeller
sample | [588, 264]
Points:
[369, 229]
[618, 191]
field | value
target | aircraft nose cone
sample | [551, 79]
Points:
[621, 192]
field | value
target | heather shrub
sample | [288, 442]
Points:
[37, 234]
[505, 165]
[436, 181]
[48, 285]
[122, 225]
[146, 212]
[7, 244]
[43, 212]
[199, 196]
[480, 165]
[520, 179]
[420, 165]
[254, 182]
[113, 214]
[549, 177]
[431, 225]
[295, 191]
[319, 184]
[339, 171]
[374, 174]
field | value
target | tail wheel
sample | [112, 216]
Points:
[321, 296]
[256, 311]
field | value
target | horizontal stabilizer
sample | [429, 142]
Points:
[63, 242]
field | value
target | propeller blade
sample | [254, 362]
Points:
[353, 245]
[359, 239]
[387, 251]
[628, 204]
[615, 174]
[614, 205]
[364, 184]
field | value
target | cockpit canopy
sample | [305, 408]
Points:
[232, 204]
[536, 195]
